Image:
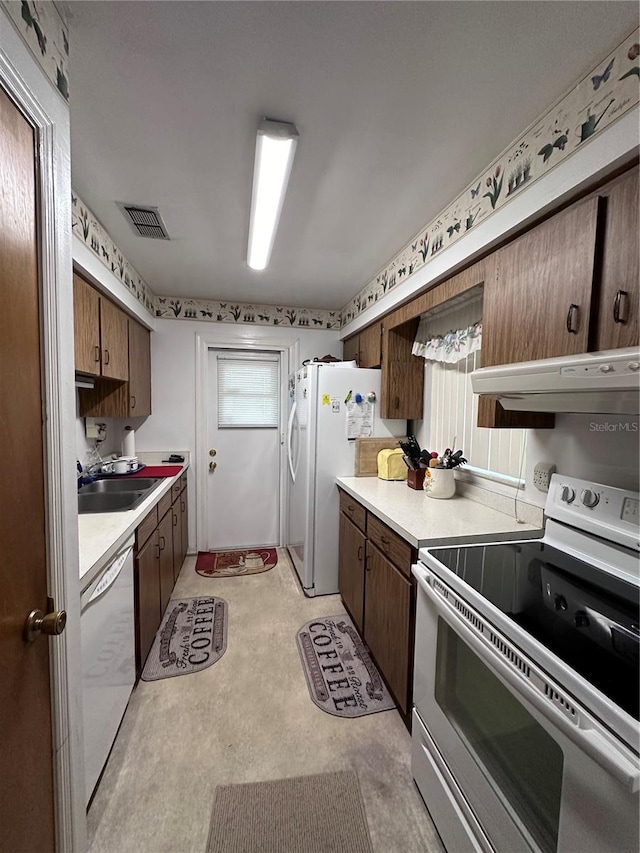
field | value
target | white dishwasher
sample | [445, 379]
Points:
[107, 630]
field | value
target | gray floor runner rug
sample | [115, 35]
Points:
[342, 678]
[308, 814]
[191, 637]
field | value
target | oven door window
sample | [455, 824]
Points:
[519, 758]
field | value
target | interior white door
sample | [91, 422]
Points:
[244, 473]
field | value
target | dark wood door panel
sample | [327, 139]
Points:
[26, 750]
[165, 565]
[351, 553]
[139, 369]
[114, 332]
[86, 327]
[538, 302]
[387, 614]
[617, 320]
[147, 597]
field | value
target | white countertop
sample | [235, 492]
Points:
[102, 534]
[423, 521]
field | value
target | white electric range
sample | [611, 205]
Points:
[525, 722]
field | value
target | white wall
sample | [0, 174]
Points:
[172, 426]
[602, 448]
[111, 444]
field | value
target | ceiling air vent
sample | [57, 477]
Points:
[145, 221]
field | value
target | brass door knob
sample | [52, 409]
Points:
[38, 623]
[213, 466]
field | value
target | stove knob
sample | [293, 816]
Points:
[581, 619]
[589, 498]
[567, 495]
[634, 366]
[606, 368]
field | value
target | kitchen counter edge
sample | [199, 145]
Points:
[108, 531]
[394, 503]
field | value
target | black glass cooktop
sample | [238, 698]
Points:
[585, 616]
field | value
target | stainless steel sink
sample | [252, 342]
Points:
[109, 487]
[115, 495]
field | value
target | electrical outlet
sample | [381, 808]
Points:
[542, 475]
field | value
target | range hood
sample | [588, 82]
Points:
[606, 382]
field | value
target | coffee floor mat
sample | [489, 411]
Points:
[192, 636]
[228, 564]
[341, 676]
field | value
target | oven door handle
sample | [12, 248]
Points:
[590, 740]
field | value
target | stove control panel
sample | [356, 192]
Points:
[604, 511]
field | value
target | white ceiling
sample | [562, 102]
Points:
[398, 105]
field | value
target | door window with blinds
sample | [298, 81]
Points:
[450, 341]
[248, 391]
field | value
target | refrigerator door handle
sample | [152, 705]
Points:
[289, 434]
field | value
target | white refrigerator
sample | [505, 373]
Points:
[319, 450]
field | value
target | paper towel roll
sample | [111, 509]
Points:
[129, 442]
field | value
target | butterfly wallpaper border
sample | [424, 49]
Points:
[87, 227]
[45, 33]
[609, 91]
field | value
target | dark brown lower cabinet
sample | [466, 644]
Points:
[387, 619]
[351, 570]
[176, 523]
[378, 591]
[160, 551]
[147, 598]
[165, 564]
[184, 514]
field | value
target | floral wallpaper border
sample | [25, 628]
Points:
[608, 92]
[46, 35]
[236, 312]
[86, 226]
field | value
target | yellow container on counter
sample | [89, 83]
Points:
[391, 466]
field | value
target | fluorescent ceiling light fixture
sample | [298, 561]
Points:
[275, 147]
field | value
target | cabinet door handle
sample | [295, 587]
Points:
[183, 506]
[96, 353]
[158, 549]
[397, 402]
[106, 356]
[175, 519]
[163, 543]
[385, 541]
[621, 316]
[360, 553]
[133, 401]
[572, 314]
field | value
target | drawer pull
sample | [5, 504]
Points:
[96, 353]
[572, 314]
[618, 315]
[360, 553]
[133, 401]
[106, 356]
[163, 543]
[385, 541]
[175, 519]
[183, 506]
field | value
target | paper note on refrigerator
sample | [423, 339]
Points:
[359, 420]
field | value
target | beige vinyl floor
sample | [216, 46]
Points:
[247, 718]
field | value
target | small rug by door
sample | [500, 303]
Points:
[308, 814]
[191, 637]
[342, 678]
[227, 564]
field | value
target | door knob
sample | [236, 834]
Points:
[52, 623]
[213, 466]
[212, 453]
